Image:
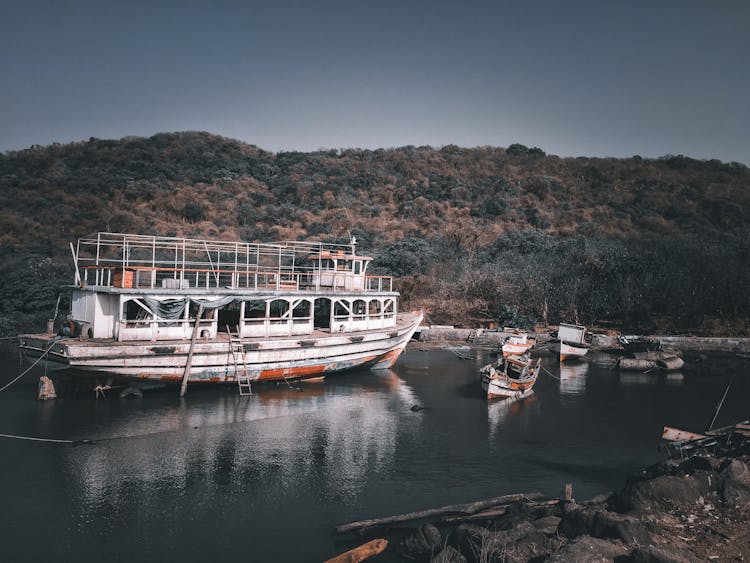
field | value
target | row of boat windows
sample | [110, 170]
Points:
[281, 308]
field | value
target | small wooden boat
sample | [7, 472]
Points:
[517, 343]
[510, 377]
[679, 443]
[572, 341]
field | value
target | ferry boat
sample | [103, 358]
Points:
[164, 309]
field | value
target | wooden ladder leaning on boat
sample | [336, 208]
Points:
[237, 347]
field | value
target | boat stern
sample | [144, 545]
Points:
[52, 349]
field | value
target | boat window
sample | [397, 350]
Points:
[255, 309]
[376, 307]
[229, 317]
[341, 309]
[302, 310]
[207, 313]
[357, 267]
[279, 308]
[389, 307]
[136, 315]
[359, 307]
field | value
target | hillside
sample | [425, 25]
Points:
[478, 235]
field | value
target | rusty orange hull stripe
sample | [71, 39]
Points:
[295, 372]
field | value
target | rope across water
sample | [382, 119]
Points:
[4, 387]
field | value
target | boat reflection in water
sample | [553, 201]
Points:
[500, 412]
[675, 378]
[629, 379]
[573, 379]
[331, 436]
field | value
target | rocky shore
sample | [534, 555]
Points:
[692, 509]
[440, 336]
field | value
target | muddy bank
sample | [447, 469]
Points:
[438, 336]
[692, 509]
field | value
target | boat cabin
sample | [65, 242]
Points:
[135, 287]
[573, 334]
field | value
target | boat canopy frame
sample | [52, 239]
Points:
[156, 262]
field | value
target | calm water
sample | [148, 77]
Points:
[267, 478]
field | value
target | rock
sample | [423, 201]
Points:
[577, 521]
[598, 499]
[651, 554]
[505, 537]
[424, 542]
[520, 543]
[626, 528]
[547, 525]
[735, 489]
[449, 555]
[603, 524]
[531, 546]
[662, 493]
[699, 463]
[589, 550]
[467, 539]
[515, 514]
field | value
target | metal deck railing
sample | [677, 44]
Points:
[151, 262]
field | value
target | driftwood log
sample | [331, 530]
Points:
[361, 553]
[494, 512]
[462, 509]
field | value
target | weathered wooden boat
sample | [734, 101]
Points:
[517, 343]
[149, 308]
[632, 344]
[572, 341]
[510, 377]
[679, 443]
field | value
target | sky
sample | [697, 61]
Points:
[575, 78]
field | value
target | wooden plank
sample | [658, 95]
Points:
[361, 553]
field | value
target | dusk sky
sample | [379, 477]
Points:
[573, 78]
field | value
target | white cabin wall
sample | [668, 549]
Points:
[83, 306]
[105, 315]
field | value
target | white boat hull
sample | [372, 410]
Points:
[504, 389]
[265, 359]
[511, 349]
[570, 351]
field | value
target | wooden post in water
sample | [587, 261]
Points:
[189, 362]
[568, 492]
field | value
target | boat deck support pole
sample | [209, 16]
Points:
[189, 362]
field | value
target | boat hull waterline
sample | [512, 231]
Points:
[271, 359]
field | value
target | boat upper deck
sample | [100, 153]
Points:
[129, 261]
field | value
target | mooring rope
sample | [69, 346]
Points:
[9, 337]
[4, 387]
[37, 439]
[549, 373]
